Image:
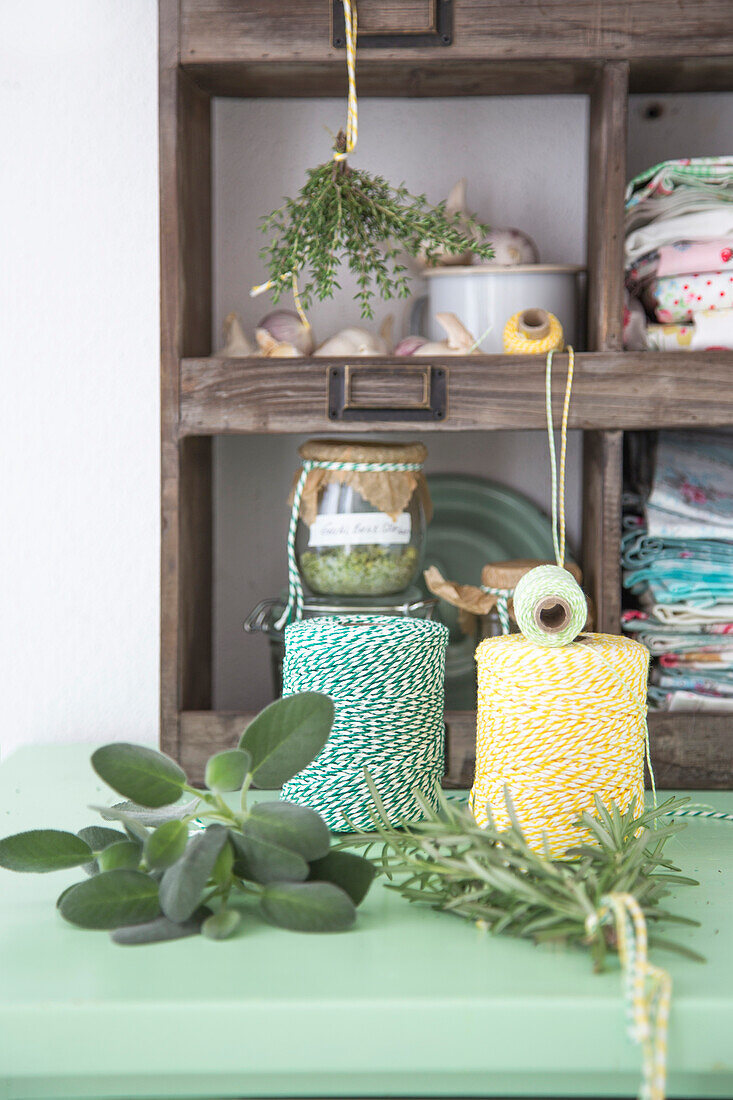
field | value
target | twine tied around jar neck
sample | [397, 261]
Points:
[295, 584]
[388, 484]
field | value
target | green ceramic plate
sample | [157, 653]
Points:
[475, 522]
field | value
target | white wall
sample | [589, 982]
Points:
[79, 352]
[699, 125]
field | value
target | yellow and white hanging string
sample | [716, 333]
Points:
[352, 113]
[523, 687]
[262, 287]
[352, 132]
[558, 483]
[648, 988]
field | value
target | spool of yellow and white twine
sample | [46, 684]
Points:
[533, 332]
[557, 725]
[560, 718]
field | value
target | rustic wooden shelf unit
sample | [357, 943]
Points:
[601, 48]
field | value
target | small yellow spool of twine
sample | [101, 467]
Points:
[533, 332]
[558, 724]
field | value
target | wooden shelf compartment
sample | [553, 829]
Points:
[692, 751]
[611, 390]
[435, 77]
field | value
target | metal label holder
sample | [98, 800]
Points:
[344, 403]
[440, 34]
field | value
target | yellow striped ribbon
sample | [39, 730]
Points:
[648, 989]
[352, 114]
[352, 132]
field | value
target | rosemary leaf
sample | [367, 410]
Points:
[491, 875]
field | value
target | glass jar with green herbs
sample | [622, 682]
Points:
[362, 532]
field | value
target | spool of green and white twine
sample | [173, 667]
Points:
[385, 676]
[549, 606]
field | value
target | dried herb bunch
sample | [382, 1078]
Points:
[344, 215]
[492, 876]
[170, 870]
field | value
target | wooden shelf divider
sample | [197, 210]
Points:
[612, 390]
[688, 750]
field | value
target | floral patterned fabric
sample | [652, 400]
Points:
[707, 173]
[677, 558]
[681, 258]
[710, 330]
[681, 297]
[679, 255]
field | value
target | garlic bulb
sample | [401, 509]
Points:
[270, 348]
[409, 345]
[286, 327]
[512, 247]
[454, 204]
[459, 340]
[236, 344]
[351, 343]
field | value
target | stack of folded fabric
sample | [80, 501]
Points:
[677, 555]
[679, 256]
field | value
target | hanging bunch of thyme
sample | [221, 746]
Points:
[491, 875]
[344, 215]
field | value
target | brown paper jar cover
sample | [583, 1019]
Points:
[389, 491]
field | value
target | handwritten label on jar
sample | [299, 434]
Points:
[351, 528]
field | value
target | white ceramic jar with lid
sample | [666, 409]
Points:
[485, 296]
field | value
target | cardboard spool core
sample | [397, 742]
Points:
[552, 614]
[534, 324]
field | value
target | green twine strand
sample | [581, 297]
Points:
[543, 582]
[503, 595]
[295, 584]
[704, 813]
[385, 676]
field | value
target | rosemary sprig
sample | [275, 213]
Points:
[344, 215]
[492, 876]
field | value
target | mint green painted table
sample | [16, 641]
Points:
[410, 1003]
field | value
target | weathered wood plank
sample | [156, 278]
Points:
[602, 483]
[195, 595]
[207, 732]
[606, 185]
[693, 751]
[298, 30]
[603, 451]
[185, 258]
[611, 390]
[438, 76]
